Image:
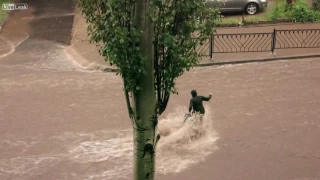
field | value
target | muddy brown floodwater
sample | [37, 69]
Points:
[71, 123]
[61, 121]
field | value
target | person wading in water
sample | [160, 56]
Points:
[196, 105]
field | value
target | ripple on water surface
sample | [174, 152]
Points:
[109, 154]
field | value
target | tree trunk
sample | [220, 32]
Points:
[144, 101]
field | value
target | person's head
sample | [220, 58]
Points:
[194, 93]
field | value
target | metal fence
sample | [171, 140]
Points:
[260, 42]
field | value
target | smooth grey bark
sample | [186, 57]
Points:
[144, 101]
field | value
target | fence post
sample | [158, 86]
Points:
[273, 44]
[211, 47]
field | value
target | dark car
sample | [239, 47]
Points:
[249, 6]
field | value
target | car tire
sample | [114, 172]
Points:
[252, 8]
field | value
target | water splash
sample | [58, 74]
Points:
[110, 153]
[54, 59]
[12, 45]
[178, 148]
[184, 144]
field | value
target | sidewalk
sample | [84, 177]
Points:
[87, 54]
[279, 53]
[81, 50]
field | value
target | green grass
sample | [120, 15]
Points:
[223, 21]
[259, 17]
[254, 18]
[2, 12]
[228, 21]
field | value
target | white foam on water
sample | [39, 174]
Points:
[180, 148]
[12, 45]
[46, 55]
[110, 153]
[55, 59]
[24, 165]
[111, 147]
[117, 172]
[97, 151]
[186, 144]
[17, 144]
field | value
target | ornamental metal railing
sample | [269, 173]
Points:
[260, 42]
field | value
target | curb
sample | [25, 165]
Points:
[267, 25]
[78, 58]
[6, 17]
[258, 60]
[82, 61]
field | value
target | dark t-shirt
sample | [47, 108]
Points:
[196, 104]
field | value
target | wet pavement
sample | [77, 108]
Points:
[59, 120]
[87, 54]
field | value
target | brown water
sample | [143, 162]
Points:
[61, 121]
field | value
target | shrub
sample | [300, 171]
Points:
[316, 5]
[297, 12]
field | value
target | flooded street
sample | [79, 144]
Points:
[73, 124]
[267, 118]
[61, 121]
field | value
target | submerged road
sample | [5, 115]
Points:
[61, 121]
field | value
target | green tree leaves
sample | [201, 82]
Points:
[179, 27]
[176, 25]
[151, 54]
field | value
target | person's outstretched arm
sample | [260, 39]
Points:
[190, 106]
[206, 98]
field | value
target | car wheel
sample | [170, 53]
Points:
[252, 8]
